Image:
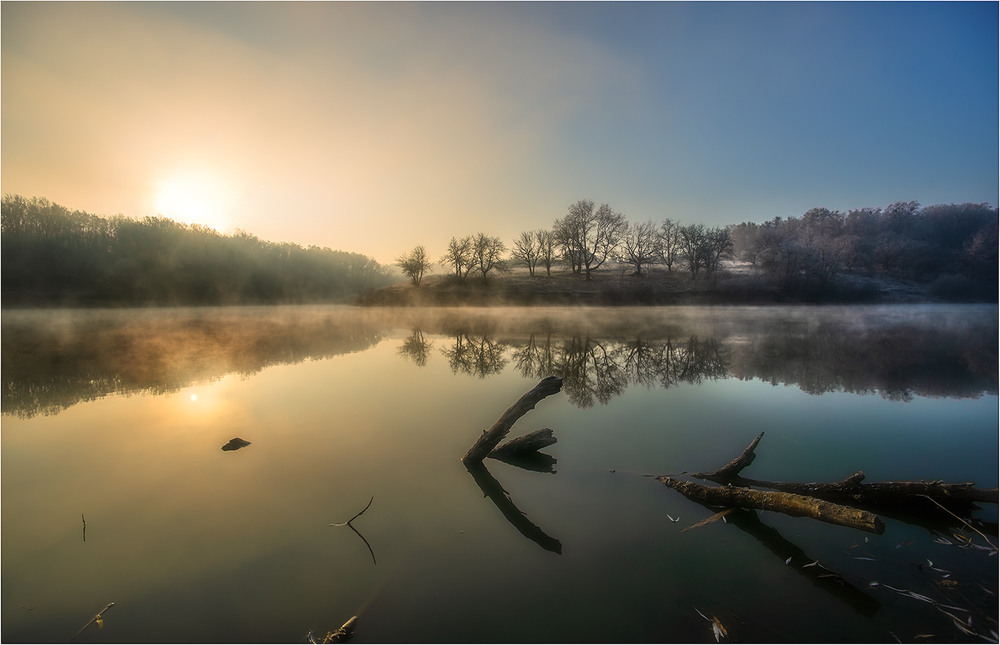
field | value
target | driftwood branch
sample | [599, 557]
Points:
[733, 468]
[490, 438]
[788, 503]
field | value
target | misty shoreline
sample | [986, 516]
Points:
[611, 288]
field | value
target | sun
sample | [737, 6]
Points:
[194, 199]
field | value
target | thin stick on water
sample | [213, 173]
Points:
[992, 546]
[96, 619]
[348, 522]
[351, 526]
[84, 527]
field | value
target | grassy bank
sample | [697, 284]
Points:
[735, 285]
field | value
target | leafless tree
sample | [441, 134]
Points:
[589, 236]
[670, 243]
[459, 256]
[487, 254]
[526, 251]
[546, 249]
[414, 264]
[640, 245]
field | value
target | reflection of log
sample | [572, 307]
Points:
[538, 462]
[851, 490]
[796, 558]
[491, 488]
[791, 504]
[530, 442]
[490, 438]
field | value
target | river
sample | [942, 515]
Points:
[116, 489]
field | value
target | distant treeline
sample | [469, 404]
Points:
[951, 248]
[949, 251]
[51, 255]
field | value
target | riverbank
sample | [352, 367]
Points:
[739, 285]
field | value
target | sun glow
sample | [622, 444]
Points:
[194, 199]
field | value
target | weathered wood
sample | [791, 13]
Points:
[851, 490]
[788, 503]
[531, 442]
[490, 438]
[733, 468]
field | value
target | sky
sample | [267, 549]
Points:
[375, 127]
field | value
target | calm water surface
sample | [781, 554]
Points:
[115, 487]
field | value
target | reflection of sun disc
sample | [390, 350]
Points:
[194, 397]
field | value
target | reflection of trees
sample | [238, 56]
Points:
[598, 370]
[416, 348]
[51, 361]
[482, 356]
[896, 363]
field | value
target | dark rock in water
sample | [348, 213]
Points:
[235, 444]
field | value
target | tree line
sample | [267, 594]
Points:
[951, 247]
[584, 240]
[51, 255]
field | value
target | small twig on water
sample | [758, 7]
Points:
[993, 546]
[96, 619]
[351, 526]
[84, 527]
[348, 522]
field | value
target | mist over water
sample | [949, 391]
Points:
[118, 419]
[53, 359]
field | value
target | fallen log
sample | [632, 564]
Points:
[851, 490]
[788, 503]
[490, 438]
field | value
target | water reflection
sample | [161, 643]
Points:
[481, 356]
[491, 488]
[52, 360]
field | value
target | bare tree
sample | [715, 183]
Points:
[589, 236]
[719, 246]
[546, 249]
[414, 264]
[527, 251]
[487, 254]
[459, 256]
[640, 245]
[670, 242]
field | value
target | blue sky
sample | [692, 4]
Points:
[374, 127]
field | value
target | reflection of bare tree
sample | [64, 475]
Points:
[693, 361]
[597, 370]
[481, 357]
[416, 348]
[535, 359]
[590, 371]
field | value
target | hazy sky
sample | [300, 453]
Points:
[373, 127]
